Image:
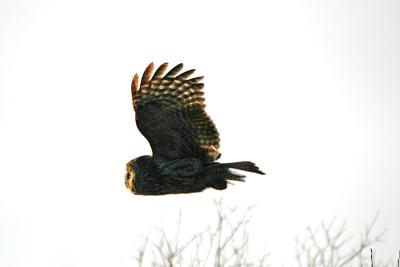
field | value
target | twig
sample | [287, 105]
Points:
[398, 260]
[372, 259]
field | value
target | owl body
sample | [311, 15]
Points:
[167, 176]
[158, 177]
[170, 113]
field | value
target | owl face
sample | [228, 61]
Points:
[138, 174]
[130, 176]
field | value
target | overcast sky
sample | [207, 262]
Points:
[309, 90]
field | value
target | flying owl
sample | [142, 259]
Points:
[170, 113]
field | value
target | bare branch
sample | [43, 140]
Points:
[226, 243]
[141, 252]
[328, 247]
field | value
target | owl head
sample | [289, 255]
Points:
[130, 175]
[137, 170]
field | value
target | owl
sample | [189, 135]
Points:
[170, 114]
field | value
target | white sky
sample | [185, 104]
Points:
[309, 90]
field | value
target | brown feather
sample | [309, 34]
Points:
[134, 85]
[160, 71]
[174, 70]
[185, 74]
[196, 79]
[134, 88]
[146, 75]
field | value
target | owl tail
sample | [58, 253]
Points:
[219, 173]
[247, 166]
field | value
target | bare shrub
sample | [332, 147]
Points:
[226, 243]
[329, 246]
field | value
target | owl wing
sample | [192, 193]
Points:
[170, 113]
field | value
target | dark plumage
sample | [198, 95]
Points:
[170, 114]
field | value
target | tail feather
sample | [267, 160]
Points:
[244, 166]
[218, 173]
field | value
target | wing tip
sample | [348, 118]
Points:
[151, 65]
[160, 71]
[134, 89]
[185, 75]
[147, 74]
[135, 83]
[174, 70]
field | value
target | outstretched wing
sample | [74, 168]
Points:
[170, 114]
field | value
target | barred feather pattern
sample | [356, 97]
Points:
[182, 96]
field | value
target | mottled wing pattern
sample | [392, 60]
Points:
[170, 113]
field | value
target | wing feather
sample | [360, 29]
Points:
[134, 88]
[170, 113]
[160, 71]
[185, 74]
[196, 79]
[146, 75]
[174, 70]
